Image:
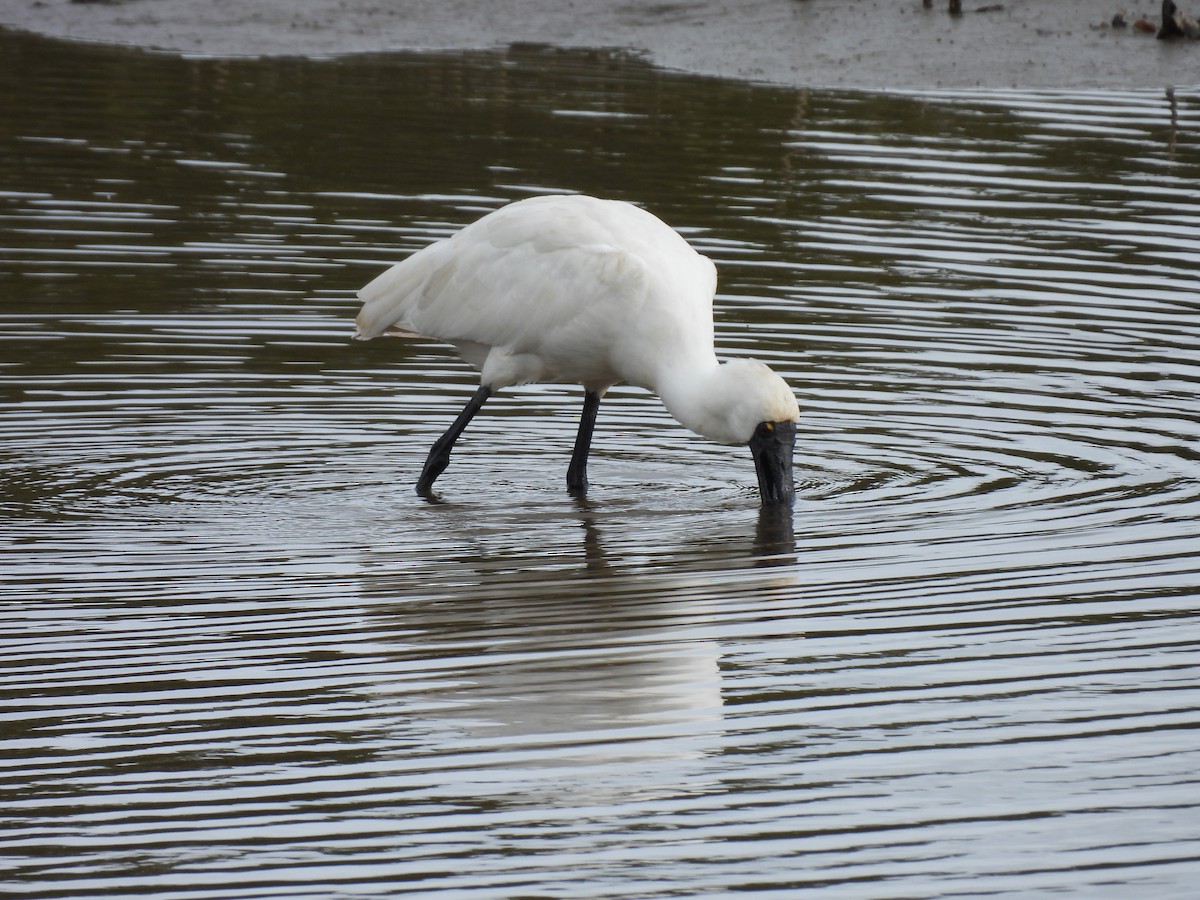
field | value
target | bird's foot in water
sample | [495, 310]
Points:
[435, 465]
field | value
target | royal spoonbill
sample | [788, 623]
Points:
[573, 289]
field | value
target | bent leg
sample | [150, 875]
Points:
[439, 454]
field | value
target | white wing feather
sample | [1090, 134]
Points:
[562, 285]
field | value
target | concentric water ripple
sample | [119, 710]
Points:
[242, 658]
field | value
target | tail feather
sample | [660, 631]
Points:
[386, 298]
[399, 332]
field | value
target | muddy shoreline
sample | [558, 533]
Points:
[814, 43]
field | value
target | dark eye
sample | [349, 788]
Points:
[764, 429]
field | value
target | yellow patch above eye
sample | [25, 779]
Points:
[770, 426]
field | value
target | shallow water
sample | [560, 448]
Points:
[242, 658]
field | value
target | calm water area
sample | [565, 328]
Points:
[242, 659]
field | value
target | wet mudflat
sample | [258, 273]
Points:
[242, 658]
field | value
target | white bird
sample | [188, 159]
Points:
[573, 289]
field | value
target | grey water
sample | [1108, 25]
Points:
[241, 658]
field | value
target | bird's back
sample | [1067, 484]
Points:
[564, 288]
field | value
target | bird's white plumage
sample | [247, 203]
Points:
[577, 289]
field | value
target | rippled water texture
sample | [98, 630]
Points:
[243, 659]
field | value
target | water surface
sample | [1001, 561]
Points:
[242, 658]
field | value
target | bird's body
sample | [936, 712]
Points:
[578, 290]
[554, 289]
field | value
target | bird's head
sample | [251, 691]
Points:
[744, 402]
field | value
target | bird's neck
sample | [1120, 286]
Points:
[687, 391]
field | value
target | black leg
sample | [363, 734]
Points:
[577, 483]
[439, 454]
